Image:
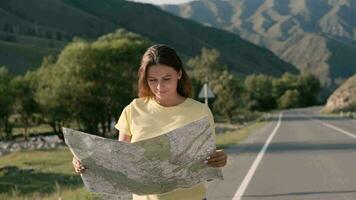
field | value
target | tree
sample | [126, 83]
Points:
[6, 102]
[259, 92]
[52, 101]
[206, 66]
[91, 82]
[280, 85]
[228, 90]
[309, 87]
[290, 99]
[25, 104]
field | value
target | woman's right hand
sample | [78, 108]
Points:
[78, 166]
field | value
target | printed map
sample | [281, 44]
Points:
[153, 166]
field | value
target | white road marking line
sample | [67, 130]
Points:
[338, 129]
[332, 126]
[239, 193]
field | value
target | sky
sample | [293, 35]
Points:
[160, 2]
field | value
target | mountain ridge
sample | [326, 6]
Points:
[286, 27]
[95, 18]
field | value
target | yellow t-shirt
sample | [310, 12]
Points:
[144, 118]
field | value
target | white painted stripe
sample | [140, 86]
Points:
[339, 129]
[332, 127]
[241, 190]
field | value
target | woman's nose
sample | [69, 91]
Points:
[160, 85]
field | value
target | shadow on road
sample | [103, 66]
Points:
[294, 117]
[302, 193]
[285, 147]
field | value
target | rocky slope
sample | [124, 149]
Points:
[344, 98]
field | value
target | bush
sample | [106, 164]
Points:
[290, 99]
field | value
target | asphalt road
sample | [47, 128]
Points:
[298, 155]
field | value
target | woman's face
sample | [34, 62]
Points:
[163, 81]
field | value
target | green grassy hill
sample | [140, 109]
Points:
[58, 21]
[20, 57]
[313, 35]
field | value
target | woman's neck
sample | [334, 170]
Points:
[171, 101]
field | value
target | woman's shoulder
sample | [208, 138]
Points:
[200, 109]
[139, 102]
[194, 104]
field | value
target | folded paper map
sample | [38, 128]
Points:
[153, 166]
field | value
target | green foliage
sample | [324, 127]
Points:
[206, 68]
[308, 86]
[6, 103]
[289, 91]
[259, 92]
[290, 99]
[228, 89]
[281, 85]
[25, 104]
[52, 103]
[91, 82]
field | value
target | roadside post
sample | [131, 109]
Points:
[206, 93]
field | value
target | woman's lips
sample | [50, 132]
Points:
[163, 92]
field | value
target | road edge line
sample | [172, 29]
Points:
[243, 186]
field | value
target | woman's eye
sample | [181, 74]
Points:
[151, 80]
[167, 79]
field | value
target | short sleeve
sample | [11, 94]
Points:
[124, 122]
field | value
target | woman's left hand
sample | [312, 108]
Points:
[217, 159]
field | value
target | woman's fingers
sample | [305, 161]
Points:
[80, 170]
[76, 162]
[78, 166]
[217, 164]
[217, 159]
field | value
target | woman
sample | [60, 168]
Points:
[164, 104]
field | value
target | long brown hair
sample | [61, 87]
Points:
[161, 54]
